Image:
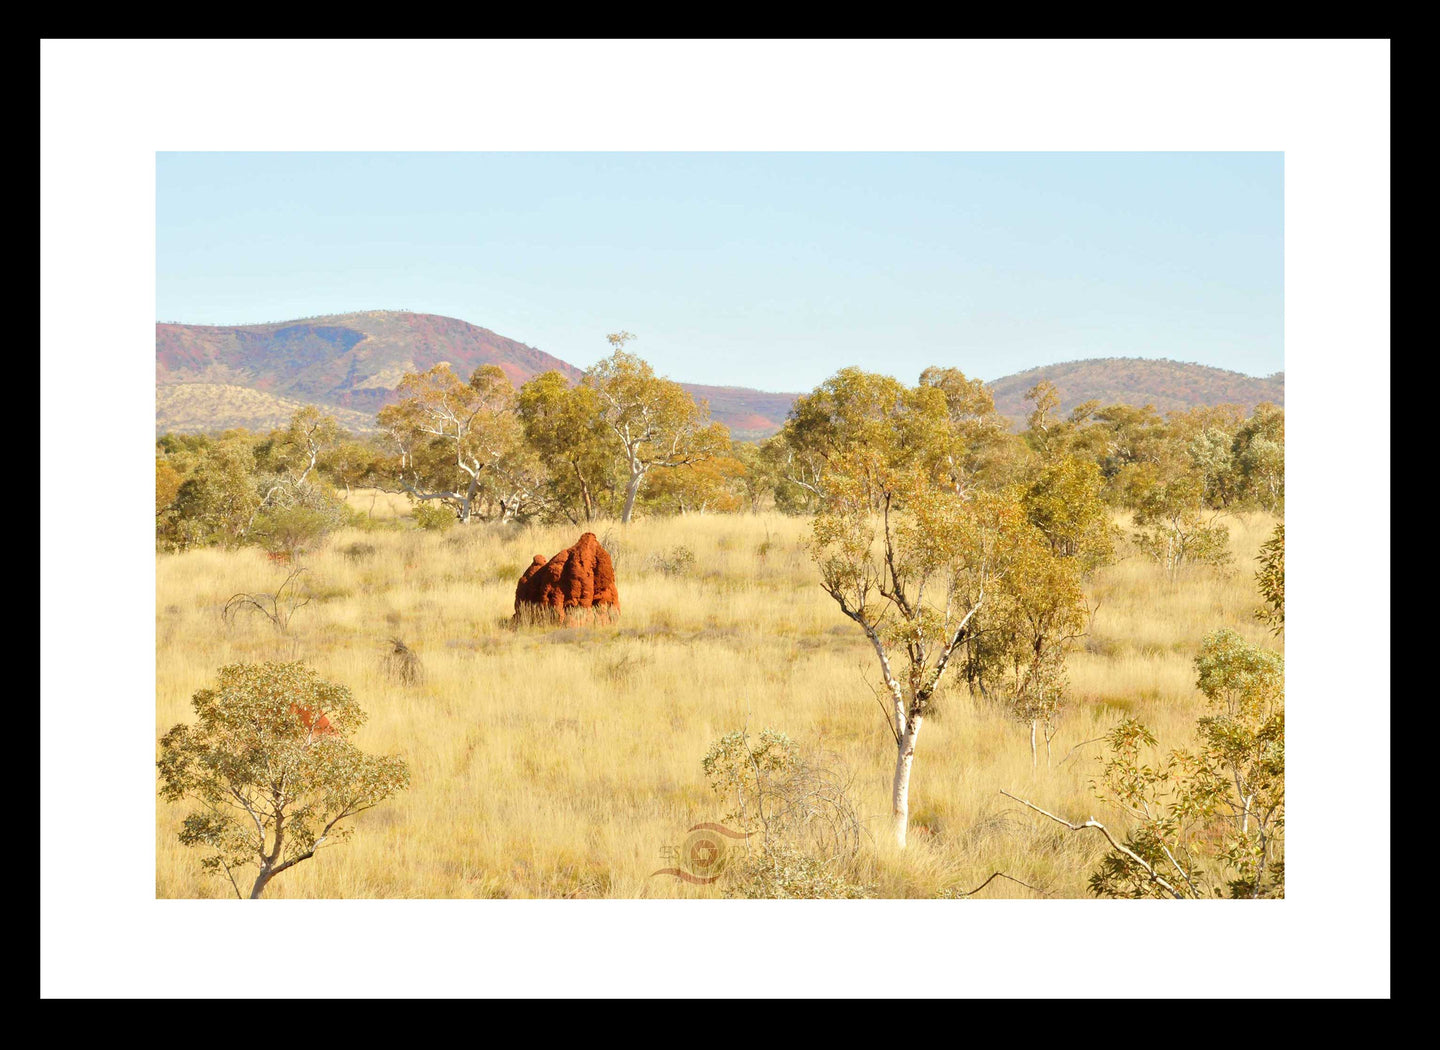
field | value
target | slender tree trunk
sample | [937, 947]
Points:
[631, 491]
[1032, 744]
[468, 502]
[268, 861]
[900, 791]
[585, 497]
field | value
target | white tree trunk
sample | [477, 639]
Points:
[900, 791]
[631, 490]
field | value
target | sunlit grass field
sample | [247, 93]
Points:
[563, 762]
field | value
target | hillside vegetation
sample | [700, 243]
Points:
[1166, 385]
[189, 408]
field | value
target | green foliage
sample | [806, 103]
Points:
[1038, 614]
[978, 447]
[1164, 812]
[1242, 679]
[677, 561]
[804, 829]
[1209, 820]
[940, 571]
[1063, 500]
[562, 425]
[650, 423]
[1271, 580]
[461, 443]
[712, 485]
[860, 426]
[217, 500]
[296, 529]
[1259, 455]
[755, 483]
[353, 463]
[433, 518]
[274, 781]
[779, 870]
[934, 556]
[1045, 396]
[1211, 458]
[167, 487]
[624, 440]
[781, 474]
[744, 774]
[241, 488]
[1174, 526]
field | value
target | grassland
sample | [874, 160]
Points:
[561, 762]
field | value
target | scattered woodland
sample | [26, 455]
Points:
[899, 648]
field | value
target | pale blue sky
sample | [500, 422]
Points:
[769, 270]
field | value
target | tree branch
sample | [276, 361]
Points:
[1155, 876]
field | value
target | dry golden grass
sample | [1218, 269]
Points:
[560, 762]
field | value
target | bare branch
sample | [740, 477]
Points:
[1002, 875]
[1155, 876]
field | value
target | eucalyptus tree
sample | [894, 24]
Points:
[913, 576]
[1259, 455]
[270, 763]
[978, 439]
[459, 443]
[563, 427]
[652, 422]
[1063, 500]
[902, 427]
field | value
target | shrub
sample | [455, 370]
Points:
[292, 531]
[799, 804]
[781, 871]
[677, 561]
[358, 519]
[433, 518]
[403, 664]
[278, 606]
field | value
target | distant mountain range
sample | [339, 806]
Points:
[255, 376]
[354, 361]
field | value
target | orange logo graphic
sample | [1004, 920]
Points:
[704, 855]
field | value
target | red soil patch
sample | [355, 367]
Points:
[317, 725]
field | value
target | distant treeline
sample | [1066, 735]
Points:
[624, 442]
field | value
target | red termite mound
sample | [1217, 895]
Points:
[582, 577]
